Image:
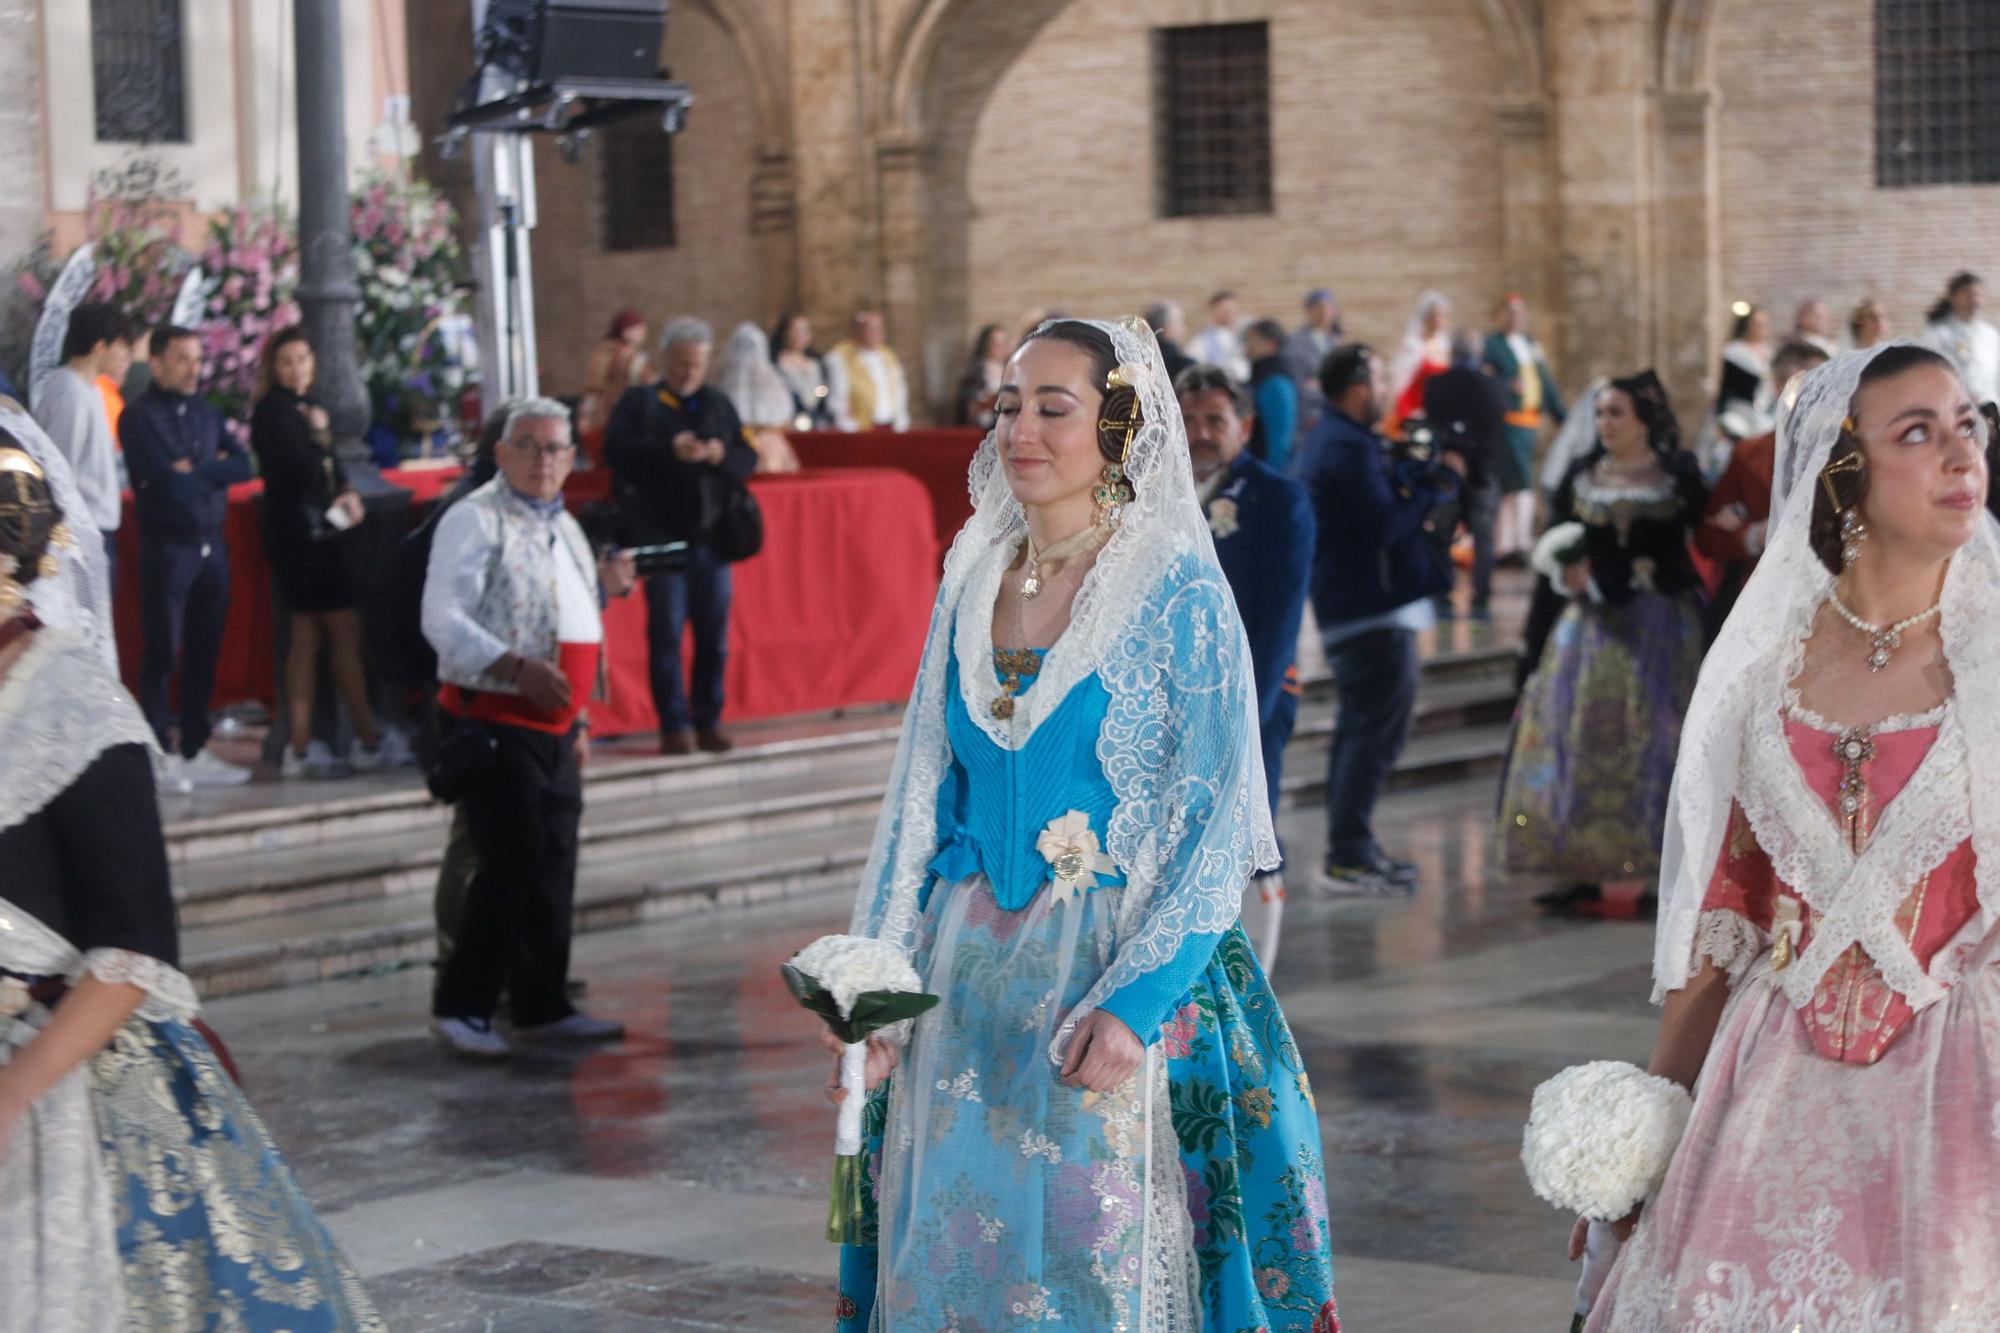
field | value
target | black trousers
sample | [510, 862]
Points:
[183, 605]
[1375, 683]
[523, 813]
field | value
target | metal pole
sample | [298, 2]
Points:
[503, 178]
[328, 293]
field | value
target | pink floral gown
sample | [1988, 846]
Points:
[1841, 1173]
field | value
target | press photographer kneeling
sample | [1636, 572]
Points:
[511, 598]
[1374, 574]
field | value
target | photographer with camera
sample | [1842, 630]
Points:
[679, 458]
[511, 599]
[1374, 575]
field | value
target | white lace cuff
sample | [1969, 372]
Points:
[169, 993]
[1730, 940]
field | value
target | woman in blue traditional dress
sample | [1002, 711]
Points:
[1105, 1123]
[138, 1191]
[1617, 640]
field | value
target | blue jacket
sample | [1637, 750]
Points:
[1277, 398]
[1264, 537]
[159, 428]
[1373, 554]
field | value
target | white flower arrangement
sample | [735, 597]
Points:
[850, 966]
[1560, 547]
[1600, 1136]
[1223, 520]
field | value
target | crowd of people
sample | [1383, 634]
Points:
[1078, 848]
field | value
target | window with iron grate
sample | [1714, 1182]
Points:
[1937, 92]
[1212, 119]
[636, 166]
[135, 57]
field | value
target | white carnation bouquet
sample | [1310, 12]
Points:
[1559, 548]
[1598, 1142]
[859, 986]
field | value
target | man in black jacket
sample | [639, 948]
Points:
[1466, 410]
[671, 446]
[182, 463]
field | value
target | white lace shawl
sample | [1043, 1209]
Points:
[1731, 743]
[1157, 623]
[78, 597]
[60, 708]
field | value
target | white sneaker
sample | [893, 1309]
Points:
[577, 1027]
[317, 762]
[170, 775]
[366, 759]
[205, 770]
[394, 747]
[473, 1038]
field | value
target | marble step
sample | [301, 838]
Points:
[618, 822]
[297, 947]
[267, 818]
[633, 816]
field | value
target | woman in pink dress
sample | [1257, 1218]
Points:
[1831, 885]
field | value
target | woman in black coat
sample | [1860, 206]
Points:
[308, 505]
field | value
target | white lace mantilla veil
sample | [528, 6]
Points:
[1179, 743]
[78, 598]
[1758, 652]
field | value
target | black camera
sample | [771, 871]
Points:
[1416, 458]
[658, 558]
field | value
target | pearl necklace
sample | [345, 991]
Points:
[1091, 537]
[1886, 638]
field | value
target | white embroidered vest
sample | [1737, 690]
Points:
[520, 605]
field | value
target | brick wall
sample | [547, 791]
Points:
[713, 271]
[1387, 178]
[1800, 212]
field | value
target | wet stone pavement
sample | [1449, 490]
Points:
[678, 1181]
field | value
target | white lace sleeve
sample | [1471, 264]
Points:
[169, 993]
[1728, 939]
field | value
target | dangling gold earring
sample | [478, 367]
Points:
[1853, 532]
[1113, 492]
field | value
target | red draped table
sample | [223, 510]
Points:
[832, 613]
[940, 459]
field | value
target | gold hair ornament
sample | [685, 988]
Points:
[1847, 465]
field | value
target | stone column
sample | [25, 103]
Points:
[832, 170]
[1690, 250]
[774, 220]
[1529, 263]
[328, 292]
[21, 135]
[1601, 58]
[902, 238]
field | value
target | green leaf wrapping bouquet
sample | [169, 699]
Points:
[859, 986]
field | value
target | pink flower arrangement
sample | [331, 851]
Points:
[251, 265]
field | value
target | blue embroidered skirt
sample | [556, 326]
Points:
[1193, 1198]
[213, 1232]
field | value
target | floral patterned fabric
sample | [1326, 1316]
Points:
[1192, 1198]
[213, 1232]
[1599, 724]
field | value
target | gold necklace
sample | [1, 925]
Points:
[1072, 545]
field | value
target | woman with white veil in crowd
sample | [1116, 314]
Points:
[1105, 1123]
[763, 401]
[1424, 351]
[1830, 892]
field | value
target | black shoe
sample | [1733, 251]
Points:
[1570, 901]
[1403, 872]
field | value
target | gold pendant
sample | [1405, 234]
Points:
[1031, 587]
[1003, 708]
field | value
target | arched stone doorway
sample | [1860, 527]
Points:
[1024, 138]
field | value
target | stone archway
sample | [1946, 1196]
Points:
[945, 61]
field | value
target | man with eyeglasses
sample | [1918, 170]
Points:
[511, 600]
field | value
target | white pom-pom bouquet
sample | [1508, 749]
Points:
[859, 986]
[1598, 1142]
[1600, 1136]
